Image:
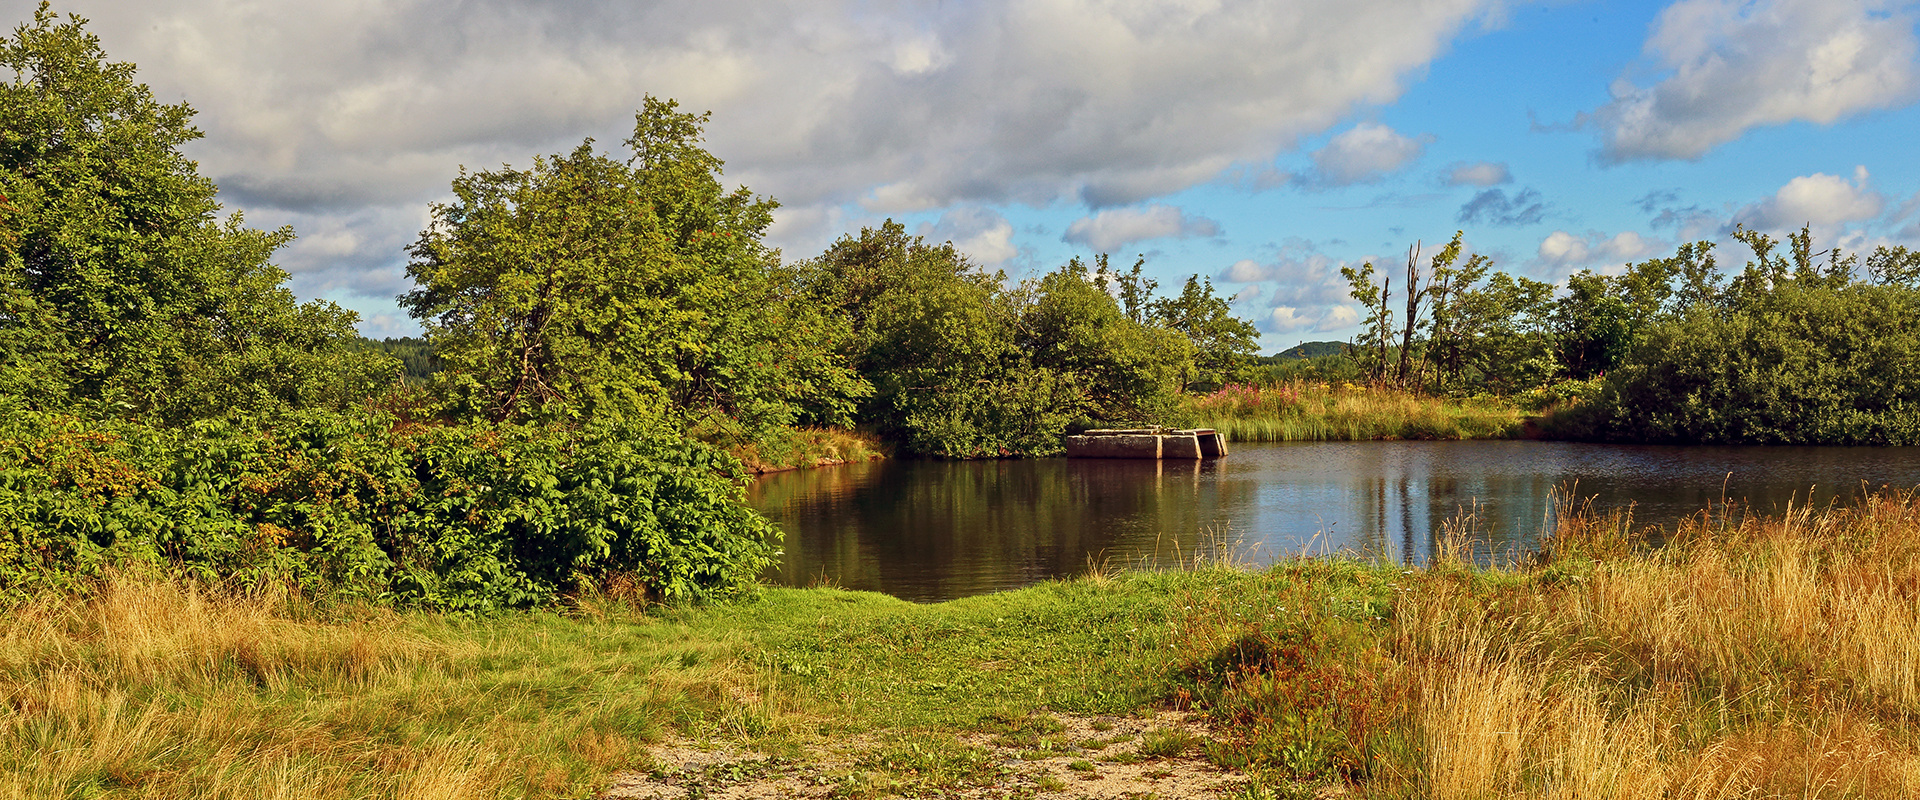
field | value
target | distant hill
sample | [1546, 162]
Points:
[1312, 350]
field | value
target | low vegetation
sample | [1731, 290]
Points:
[1299, 411]
[1744, 656]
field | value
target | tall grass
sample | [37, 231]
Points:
[155, 690]
[1300, 411]
[800, 448]
[1744, 657]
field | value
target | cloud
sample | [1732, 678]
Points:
[1818, 199]
[326, 109]
[1733, 65]
[1365, 153]
[981, 233]
[1657, 198]
[1303, 288]
[1562, 251]
[1494, 207]
[1115, 228]
[1477, 173]
[1287, 319]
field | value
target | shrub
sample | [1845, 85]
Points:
[458, 517]
[1799, 365]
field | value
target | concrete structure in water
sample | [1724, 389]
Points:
[1147, 443]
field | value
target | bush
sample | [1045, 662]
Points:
[454, 517]
[1798, 365]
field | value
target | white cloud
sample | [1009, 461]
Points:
[981, 233]
[1733, 65]
[1115, 228]
[1337, 318]
[1304, 289]
[1365, 153]
[323, 109]
[1819, 200]
[1478, 173]
[1287, 319]
[1562, 251]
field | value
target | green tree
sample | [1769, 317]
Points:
[587, 285]
[120, 289]
[1222, 343]
[1133, 371]
[1894, 266]
[935, 337]
[1371, 350]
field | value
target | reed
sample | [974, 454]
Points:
[1300, 411]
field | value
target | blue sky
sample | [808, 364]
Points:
[1261, 144]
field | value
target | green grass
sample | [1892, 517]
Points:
[153, 690]
[1747, 657]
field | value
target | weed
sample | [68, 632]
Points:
[1166, 743]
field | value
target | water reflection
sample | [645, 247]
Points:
[930, 530]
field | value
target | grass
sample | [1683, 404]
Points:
[156, 690]
[1300, 411]
[800, 448]
[1744, 657]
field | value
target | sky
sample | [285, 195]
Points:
[1262, 144]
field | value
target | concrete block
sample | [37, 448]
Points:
[1113, 446]
[1175, 445]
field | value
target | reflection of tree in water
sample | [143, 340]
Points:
[939, 529]
[933, 529]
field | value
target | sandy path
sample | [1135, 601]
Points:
[1097, 758]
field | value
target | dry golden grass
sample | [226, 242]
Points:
[149, 689]
[1746, 657]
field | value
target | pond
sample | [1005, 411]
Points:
[937, 530]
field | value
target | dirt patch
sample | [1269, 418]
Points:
[1158, 757]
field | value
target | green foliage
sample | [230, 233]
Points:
[1793, 365]
[1072, 325]
[120, 291]
[587, 285]
[458, 517]
[963, 365]
[934, 337]
[1466, 330]
[417, 359]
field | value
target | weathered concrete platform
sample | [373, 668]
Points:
[1147, 443]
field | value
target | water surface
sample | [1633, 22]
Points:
[936, 530]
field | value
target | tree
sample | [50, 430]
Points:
[120, 289]
[1372, 348]
[1071, 325]
[935, 336]
[1221, 342]
[1797, 365]
[588, 285]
